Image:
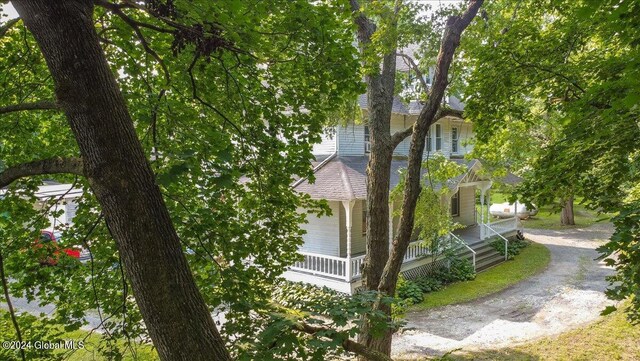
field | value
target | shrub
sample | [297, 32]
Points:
[515, 246]
[429, 284]
[409, 290]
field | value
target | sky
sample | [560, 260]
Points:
[8, 9]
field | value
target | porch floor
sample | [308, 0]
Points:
[469, 234]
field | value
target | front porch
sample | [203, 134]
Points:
[344, 274]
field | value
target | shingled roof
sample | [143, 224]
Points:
[398, 106]
[345, 178]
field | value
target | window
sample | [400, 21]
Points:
[367, 140]
[438, 137]
[364, 218]
[455, 204]
[454, 140]
[429, 142]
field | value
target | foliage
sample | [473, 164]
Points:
[531, 261]
[429, 284]
[458, 270]
[294, 303]
[568, 102]
[409, 290]
[513, 249]
[432, 218]
[227, 130]
[625, 245]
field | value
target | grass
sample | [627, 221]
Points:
[548, 218]
[532, 260]
[94, 342]
[609, 338]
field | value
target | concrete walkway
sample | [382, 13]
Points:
[568, 294]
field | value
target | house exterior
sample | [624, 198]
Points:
[334, 246]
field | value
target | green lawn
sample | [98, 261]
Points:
[609, 338]
[532, 260]
[547, 218]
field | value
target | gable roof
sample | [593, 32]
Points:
[397, 108]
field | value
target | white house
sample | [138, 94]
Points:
[335, 246]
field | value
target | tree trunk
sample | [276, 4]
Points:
[116, 167]
[382, 268]
[566, 216]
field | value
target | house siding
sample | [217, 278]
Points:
[323, 233]
[467, 206]
[351, 140]
[328, 143]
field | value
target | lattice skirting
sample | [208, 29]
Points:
[424, 270]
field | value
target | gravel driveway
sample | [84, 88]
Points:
[569, 293]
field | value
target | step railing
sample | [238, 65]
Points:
[506, 241]
[462, 244]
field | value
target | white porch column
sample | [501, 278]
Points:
[348, 208]
[483, 190]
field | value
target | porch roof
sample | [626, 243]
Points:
[345, 178]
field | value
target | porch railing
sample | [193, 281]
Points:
[500, 227]
[492, 232]
[347, 268]
[459, 243]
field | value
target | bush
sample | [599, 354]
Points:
[409, 290]
[514, 249]
[429, 284]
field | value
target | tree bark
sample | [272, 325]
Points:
[117, 169]
[382, 269]
[566, 216]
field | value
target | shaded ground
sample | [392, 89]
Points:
[568, 294]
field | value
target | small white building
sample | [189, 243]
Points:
[56, 197]
[334, 246]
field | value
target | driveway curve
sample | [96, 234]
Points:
[568, 294]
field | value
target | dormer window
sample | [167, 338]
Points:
[367, 140]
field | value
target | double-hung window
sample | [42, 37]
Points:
[438, 137]
[454, 140]
[455, 204]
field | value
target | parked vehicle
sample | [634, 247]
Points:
[52, 240]
[506, 210]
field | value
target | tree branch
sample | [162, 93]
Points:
[347, 344]
[412, 64]
[399, 136]
[42, 105]
[56, 165]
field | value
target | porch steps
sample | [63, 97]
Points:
[486, 255]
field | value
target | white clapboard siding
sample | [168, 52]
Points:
[70, 211]
[351, 139]
[467, 204]
[323, 232]
[400, 123]
[328, 143]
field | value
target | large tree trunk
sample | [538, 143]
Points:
[566, 216]
[116, 167]
[382, 268]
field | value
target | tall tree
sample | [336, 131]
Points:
[569, 69]
[159, 108]
[376, 20]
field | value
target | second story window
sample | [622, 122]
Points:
[429, 142]
[438, 137]
[454, 140]
[367, 140]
